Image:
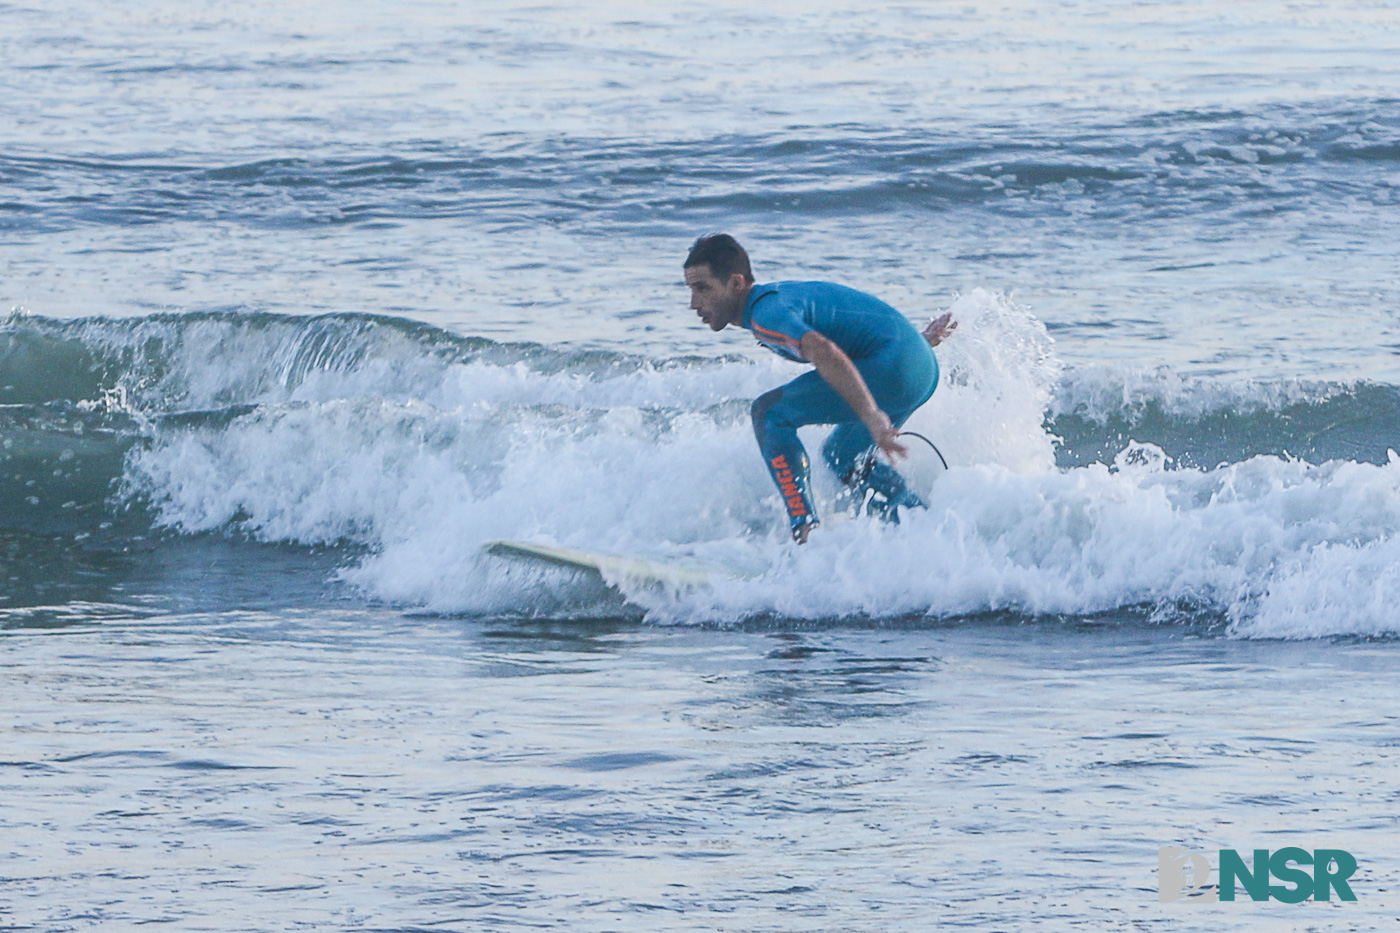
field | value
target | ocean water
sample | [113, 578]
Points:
[304, 303]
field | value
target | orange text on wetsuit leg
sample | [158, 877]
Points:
[795, 506]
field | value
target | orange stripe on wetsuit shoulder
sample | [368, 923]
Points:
[777, 337]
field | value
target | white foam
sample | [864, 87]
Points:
[1253, 540]
[661, 461]
[1105, 391]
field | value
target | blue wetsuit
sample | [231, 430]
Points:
[892, 357]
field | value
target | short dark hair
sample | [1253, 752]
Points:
[723, 254]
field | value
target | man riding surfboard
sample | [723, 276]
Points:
[873, 369]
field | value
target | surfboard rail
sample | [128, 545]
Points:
[613, 568]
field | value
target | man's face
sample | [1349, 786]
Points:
[718, 303]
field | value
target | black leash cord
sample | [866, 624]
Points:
[926, 441]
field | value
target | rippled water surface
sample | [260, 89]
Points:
[366, 771]
[1204, 186]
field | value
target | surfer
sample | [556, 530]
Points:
[873, 369]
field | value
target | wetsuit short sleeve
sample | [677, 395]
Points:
[778, 325]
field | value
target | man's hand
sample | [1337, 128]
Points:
[887, 437]
[939, 328]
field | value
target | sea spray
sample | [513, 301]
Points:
[413, 446]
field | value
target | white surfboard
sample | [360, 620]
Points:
[613, 568]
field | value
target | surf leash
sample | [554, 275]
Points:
[926, 441]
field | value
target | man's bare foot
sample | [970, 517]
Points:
[939, 328]
[800, 532]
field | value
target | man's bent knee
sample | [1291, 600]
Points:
[761, 407]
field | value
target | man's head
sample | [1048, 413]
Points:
[719, 275]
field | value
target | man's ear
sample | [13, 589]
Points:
[737, 280]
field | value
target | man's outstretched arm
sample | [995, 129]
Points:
[838, 370]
